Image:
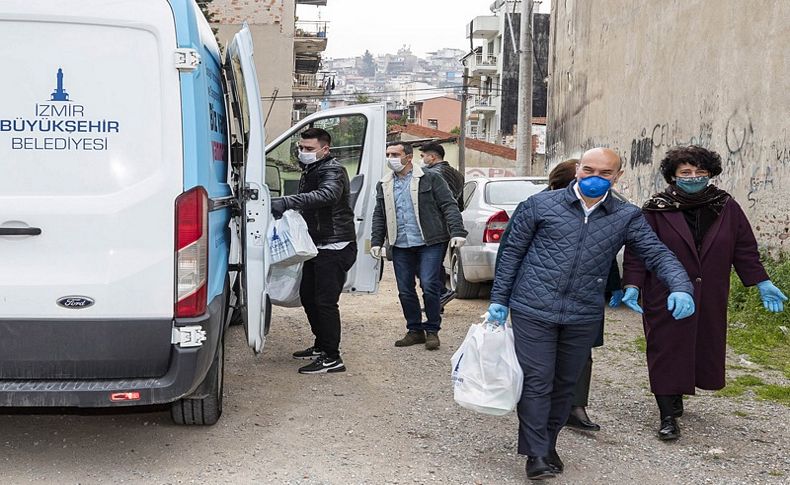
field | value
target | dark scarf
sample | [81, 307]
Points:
[700, 210]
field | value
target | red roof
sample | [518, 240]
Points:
[471, 143]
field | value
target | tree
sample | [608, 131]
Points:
[368, 67]
[362, 98]
[455, 131]
[401, 121]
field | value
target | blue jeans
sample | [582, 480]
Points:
[424, 262]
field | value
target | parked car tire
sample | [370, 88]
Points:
[464, 290]
[207, 410]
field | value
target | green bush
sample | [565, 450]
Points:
[754, 331]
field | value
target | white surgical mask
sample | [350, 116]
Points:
[395, 164]
[307, 157]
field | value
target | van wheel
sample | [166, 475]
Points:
[465, 290]
[204, 411]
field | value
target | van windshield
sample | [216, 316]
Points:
[511, 192]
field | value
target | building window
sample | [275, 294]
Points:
[433, 123]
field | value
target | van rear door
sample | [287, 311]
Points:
[249, 185]
[358, 142]
[91, 160]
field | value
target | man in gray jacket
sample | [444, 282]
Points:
[416, 213]
[551, 277]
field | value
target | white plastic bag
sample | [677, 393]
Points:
[487, 377]
[284, 284]
[289, 240]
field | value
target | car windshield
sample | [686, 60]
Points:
[511, 192]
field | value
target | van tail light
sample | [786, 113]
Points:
[495, 227]
[191, 253]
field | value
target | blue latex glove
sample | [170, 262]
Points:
[680, 304]
[772, 296]
[497, 313]
[630, 298]
[617, 298]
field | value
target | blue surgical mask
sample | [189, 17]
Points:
[692, 185]
[594, 186]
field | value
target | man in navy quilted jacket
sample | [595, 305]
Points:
[551, 279]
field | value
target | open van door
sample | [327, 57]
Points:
[252, 218]
[359, 138]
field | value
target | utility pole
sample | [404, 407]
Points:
[524, 129]
[462, 135]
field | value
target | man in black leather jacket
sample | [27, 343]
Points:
[323, 201]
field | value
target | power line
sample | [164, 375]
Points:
[371, 94]
[399, 91]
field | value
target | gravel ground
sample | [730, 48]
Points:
[391, 419]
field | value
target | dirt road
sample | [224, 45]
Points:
[391, 419]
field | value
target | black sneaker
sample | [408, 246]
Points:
[307, 354]
[447, 298]
[323, 364]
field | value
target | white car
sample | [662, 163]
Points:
[488, 205]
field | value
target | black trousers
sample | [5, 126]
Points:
[581, 392]
[323, 278]
[552, 357]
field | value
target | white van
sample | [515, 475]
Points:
[134, 203]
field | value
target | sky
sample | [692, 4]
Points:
[384, 26]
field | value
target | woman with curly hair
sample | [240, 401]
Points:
[710, 234]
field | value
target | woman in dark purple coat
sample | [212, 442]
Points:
[710, 234]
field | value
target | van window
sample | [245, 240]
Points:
[242, 109]
[348, 140]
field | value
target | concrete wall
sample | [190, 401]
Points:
[641, 77]
[272, 26]
[446, 111]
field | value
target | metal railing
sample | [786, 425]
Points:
[481, 101]
[482, 60]
[308, 82]
[310, 29]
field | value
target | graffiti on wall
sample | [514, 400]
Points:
[755, 162]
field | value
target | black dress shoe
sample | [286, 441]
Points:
[555, 462]
[669, 429]
[677, 406]
[538, 468]
[578, 419]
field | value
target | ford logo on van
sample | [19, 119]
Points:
[75, 302]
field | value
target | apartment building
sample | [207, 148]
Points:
[288, 54]
[492, 105]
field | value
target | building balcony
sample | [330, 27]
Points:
[307, 63]
[482, 64]
[483, 27]
[481, 103]
[307, 85]
[309, 37]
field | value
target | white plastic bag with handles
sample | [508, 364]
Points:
[284, 282]
[486, 375]
[289, 240]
